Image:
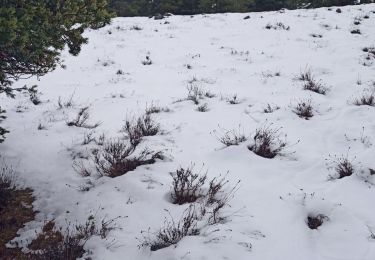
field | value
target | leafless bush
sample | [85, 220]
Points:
[267, 142]
[270, 108]
[232, 137]
[82, 118]
[203, 108]
[343, 166]
[54, 243]
[187, 185]
[195, 93]
[65, 104]
[305, 75]
[234, 100]
[217, 198]
[304, 109]
[315, 221]
[277, 26]
[117, 157]
[355, 31]
[136, 28]
[147, 61]
[173, 231]
[136, 129]
[88, 137]
[152, 109]
[315, 86]
[366, 99]
[7, 179]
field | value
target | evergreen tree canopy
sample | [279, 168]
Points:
[34, 32]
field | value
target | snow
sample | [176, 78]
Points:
[228, 56]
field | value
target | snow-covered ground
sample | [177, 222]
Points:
[227, 56]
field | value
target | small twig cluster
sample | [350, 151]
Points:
[136, 129]
[116, 158]
[304, 109]
[267, 142]
[82, 118]
[343, 166]
[315, 221]
[366, 99]
[232, 137]
[277, 26]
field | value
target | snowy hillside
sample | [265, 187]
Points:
[305, 77]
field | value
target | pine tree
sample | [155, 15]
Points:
[34, 32]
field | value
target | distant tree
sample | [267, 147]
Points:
[34, 32]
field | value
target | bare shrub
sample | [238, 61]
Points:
[305, 75]
[304, 109]
[82, 118]
[315, 221]
[187, 185]
[232, 137]
[343, 166]
[136, 28]
[173, 231]
[136, 129]
[203, 108]
[88, 137]
[267, 142]
[147, 61]
[117, 157]
[270, 108]
[366, 99]
[195, 93]
[54, 243]
[315, 86]
[153, 109]
[277, 26]
[6, 184]
[67, 103]
[217, 198]
[234, 100]
[355, 31]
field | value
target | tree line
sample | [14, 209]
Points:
[190, 7]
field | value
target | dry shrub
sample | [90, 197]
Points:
[267, 142]
[116, 158]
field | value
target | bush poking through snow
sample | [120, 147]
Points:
[233, 100]
[267, 142]
[136, 129]
[304, 109]
[53, 243]
[195, 93]
[156, 109]
[270, 109]
[366, 99]
[278, 26]
[203, 108]
[173, 231]
[232, 137]
[355, 31]
[65, 104]
[116, 158]
[315, 86]
[187, 185]
[147, 61]
[342, 166]
[315, 221]
[82, 118]
[6, 184]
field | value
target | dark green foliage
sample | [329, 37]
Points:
[34, 32]
[189, 7]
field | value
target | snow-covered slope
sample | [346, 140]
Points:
[227, 56]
